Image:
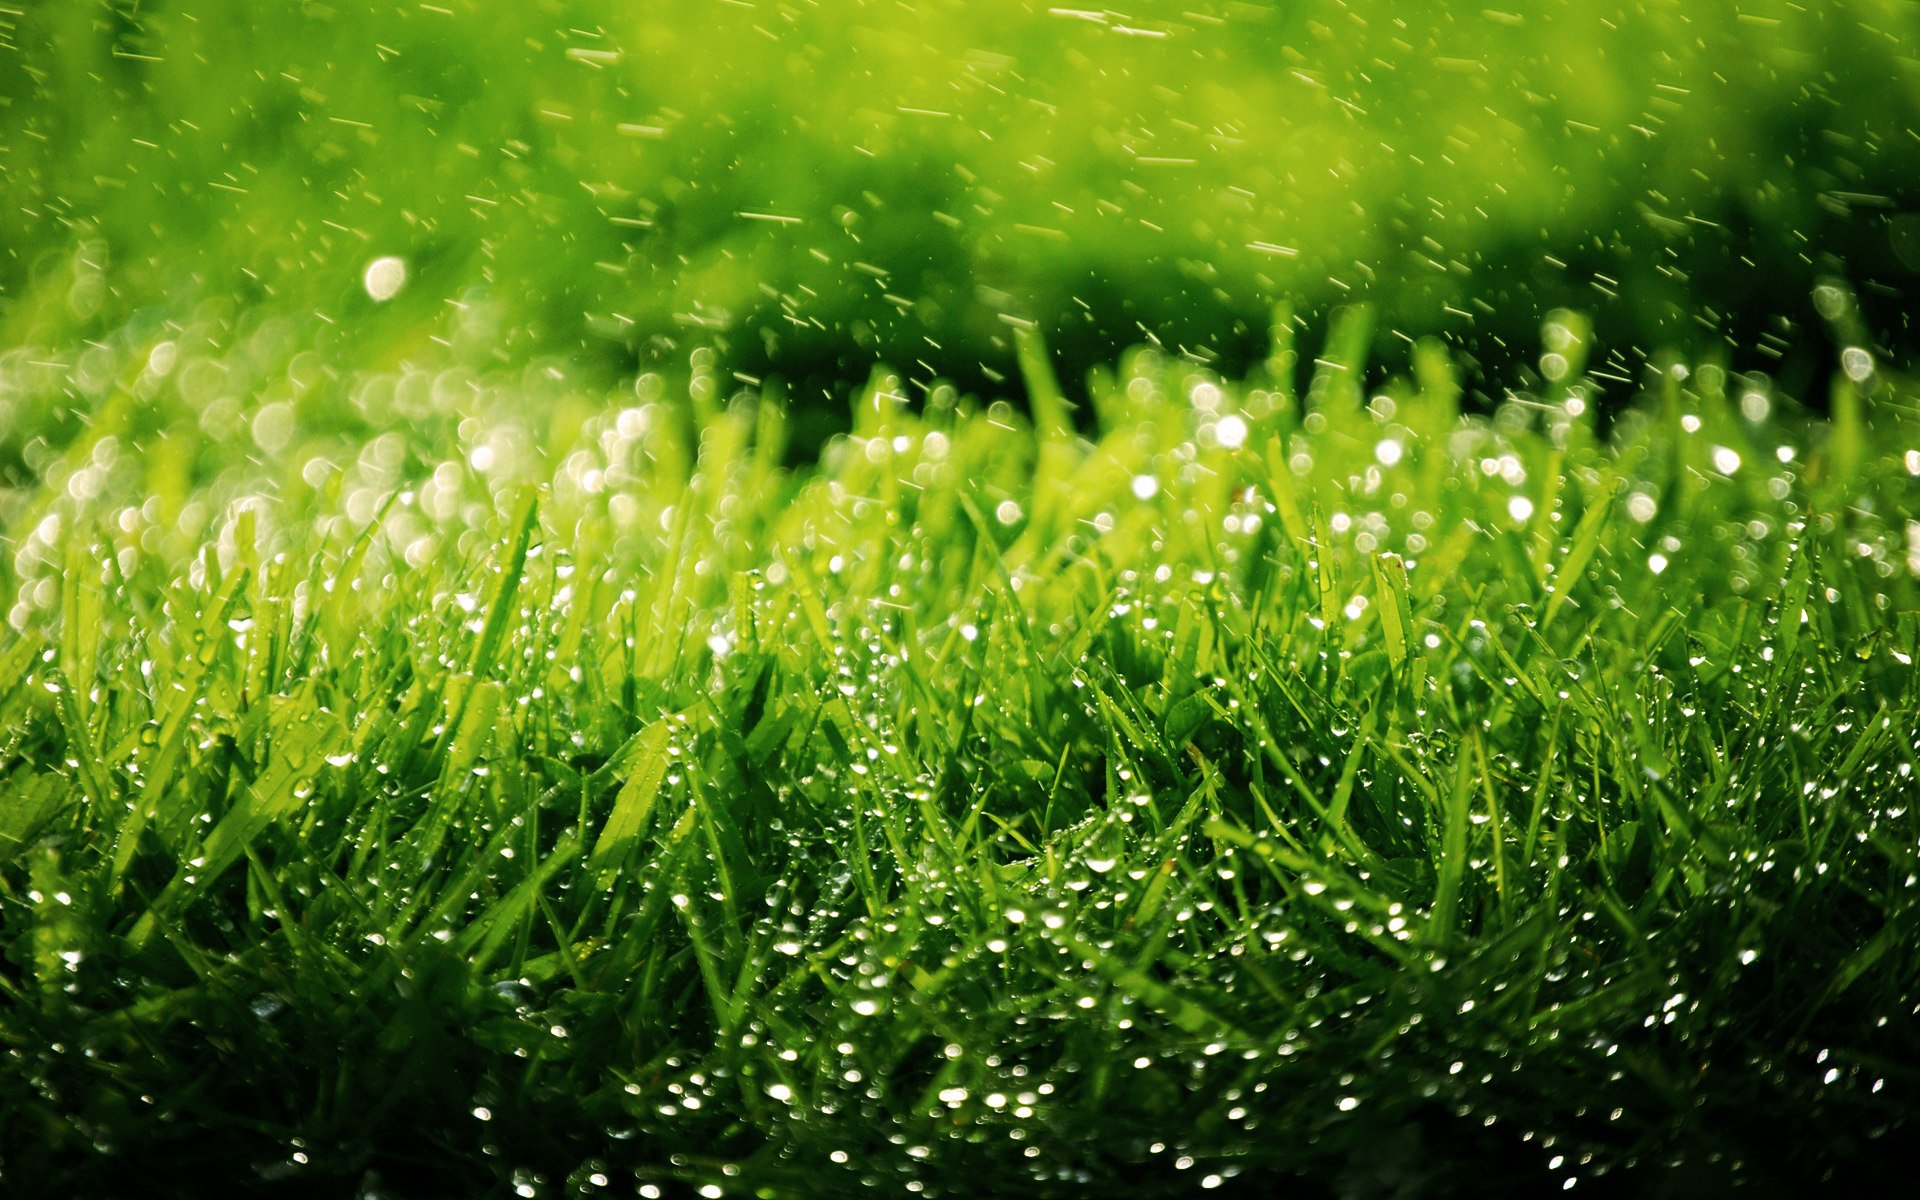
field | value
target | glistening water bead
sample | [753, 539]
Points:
[384, 277]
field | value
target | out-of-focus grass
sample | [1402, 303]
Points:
[809, 187]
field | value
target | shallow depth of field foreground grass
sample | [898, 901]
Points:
[1247, 785]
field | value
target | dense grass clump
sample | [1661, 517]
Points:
[522, 788]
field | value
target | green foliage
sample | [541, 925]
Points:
[558, 788]
[472, 719]
[812, 186]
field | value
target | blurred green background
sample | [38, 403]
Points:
[806, 188]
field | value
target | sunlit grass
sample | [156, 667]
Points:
[473, 719]
[1223, 784]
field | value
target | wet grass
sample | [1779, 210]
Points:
[514, 786]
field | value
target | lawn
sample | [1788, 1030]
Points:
[640, 669]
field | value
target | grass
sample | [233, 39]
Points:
[809, 187]
[551, 716]
[1240, 780]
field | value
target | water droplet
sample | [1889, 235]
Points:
[1232, 431]
[384, 278]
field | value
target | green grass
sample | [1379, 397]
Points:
[598, 179]
[574, 725]
[1228, 783]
